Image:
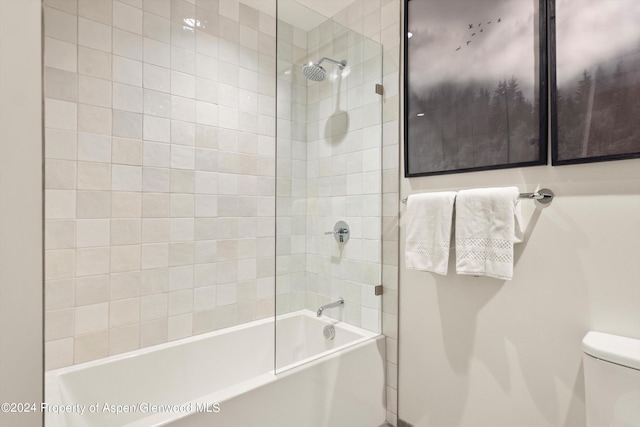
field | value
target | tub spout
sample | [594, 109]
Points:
[333, 304]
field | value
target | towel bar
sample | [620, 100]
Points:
[543, 196]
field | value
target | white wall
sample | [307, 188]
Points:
[484, 352]
[20, 209]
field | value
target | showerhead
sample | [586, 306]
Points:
[314, 71]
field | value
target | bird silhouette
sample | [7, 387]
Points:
[488, 22]
[473, 34]
[470, 26]
[458, 48]
[480, 24]
[499, 19]
[481, 30]
[469, 41]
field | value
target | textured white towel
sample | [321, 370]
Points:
[487, 226]
[429, 221]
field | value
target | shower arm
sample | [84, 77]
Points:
[340, 64]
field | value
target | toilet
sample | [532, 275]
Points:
[612, 380]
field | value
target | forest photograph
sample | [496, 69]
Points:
[596, 78]
[473, 86]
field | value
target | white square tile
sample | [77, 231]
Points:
[92, 290]
[154, 306]
[59, 264]
[61, 55]
[206, 182]
[206, 206]
[92, 62]
[155, 281]
[127, 98]
[206, 251]
[206, 67]
[127, 124]
[92, 119]
[156, 53]
[183, 84]
[154, 256]
[183, 36]
[207, 44]
[94, 176]
[125, 285]
[60, 25]
[59, 234]
[183, 133]
[226, 294]
[94, 35]
[100, 11]
[92, 233]
[60, 174]
[91, 318]
[126, 231]
[127, 71]
[180, 302]
[182, 157]
[156, 27]
[126, 151]
[156, 129]
[180, 326]
[183, 109]
[157, 78]
[155, 230]
[94, 148]
[125, 258]
[205, 275]
[206, 113]
[156, 154]
[124, 339]
[155, 205]
[182, 229]
[58, 353]
[61, 115]
[182, 181]
[126, 205]
[181, 277]
[157, 103]
[60, 144]
[58, 324]
[156, 180]
[183, 60]
[94, 91]
[93, 204]
[124, 312]
[182, 205]
[127, 44]
[92, 261]
[126, 178]
[127, 18]
[159, 7]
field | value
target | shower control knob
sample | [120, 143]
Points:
[340, 232]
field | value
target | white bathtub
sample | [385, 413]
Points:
[226, 378]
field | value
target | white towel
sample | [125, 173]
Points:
[429, 221]
[487, 226]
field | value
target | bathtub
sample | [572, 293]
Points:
[227, 378]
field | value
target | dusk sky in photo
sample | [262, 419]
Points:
[590, 32]
[498, 52]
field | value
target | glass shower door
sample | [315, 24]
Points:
[328, 192]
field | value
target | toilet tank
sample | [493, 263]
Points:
[612, 380]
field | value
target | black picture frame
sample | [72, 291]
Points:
[479, 141]
[595, 115]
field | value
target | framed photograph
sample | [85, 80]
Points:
[595, 80]
[475, 85]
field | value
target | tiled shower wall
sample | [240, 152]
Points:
[291, 201]
[343, 174]
[160, 172]
[380, 21]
